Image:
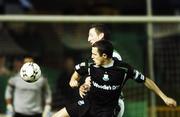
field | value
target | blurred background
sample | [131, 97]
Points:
[57, 47]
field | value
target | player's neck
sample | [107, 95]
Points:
[108, 63]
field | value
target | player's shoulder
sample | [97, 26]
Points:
[121, 64]
[84, 64]
[14, 78]
[117, 55]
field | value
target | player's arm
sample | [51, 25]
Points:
[152, 86]
[8, 94]
[85, 87]
[9, 98]
[47, 92]
[47, 99]
[74, 82]
[139, 77]
[80, 70]
[9, 91]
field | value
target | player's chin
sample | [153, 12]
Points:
[97, 63]
[91, 43]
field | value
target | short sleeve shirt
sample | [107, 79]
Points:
[107, 82]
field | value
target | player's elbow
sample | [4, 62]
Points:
[73, 83]
[70, 84]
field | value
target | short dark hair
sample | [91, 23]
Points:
[102, 28]
[104, 46]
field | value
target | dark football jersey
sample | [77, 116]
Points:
[107, 82]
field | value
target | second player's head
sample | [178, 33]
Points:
[98, 32]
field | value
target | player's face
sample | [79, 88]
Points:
[93, 36]
[98, 60]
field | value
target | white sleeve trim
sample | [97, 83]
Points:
[117, 55]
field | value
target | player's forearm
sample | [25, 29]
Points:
[48, 95]
[74, 82]
[9, 94]
[152, 86]
[48, 99]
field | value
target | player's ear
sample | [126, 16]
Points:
[104, 55]
[101, 35]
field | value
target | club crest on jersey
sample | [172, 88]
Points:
[81, 102]
[105, 77]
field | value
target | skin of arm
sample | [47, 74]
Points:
[74, 82]
[84, 88]
[152, 86]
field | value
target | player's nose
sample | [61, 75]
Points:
[89, 39]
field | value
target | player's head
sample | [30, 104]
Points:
[101, 52]
[98, 32]
[28, 59]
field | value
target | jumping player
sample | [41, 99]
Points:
[99, 32]
[107, 77]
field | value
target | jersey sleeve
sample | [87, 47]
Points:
[47, 91]
[117, 55]
[9, 88]
[82, 68]
[135, 74]
[138, 76]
